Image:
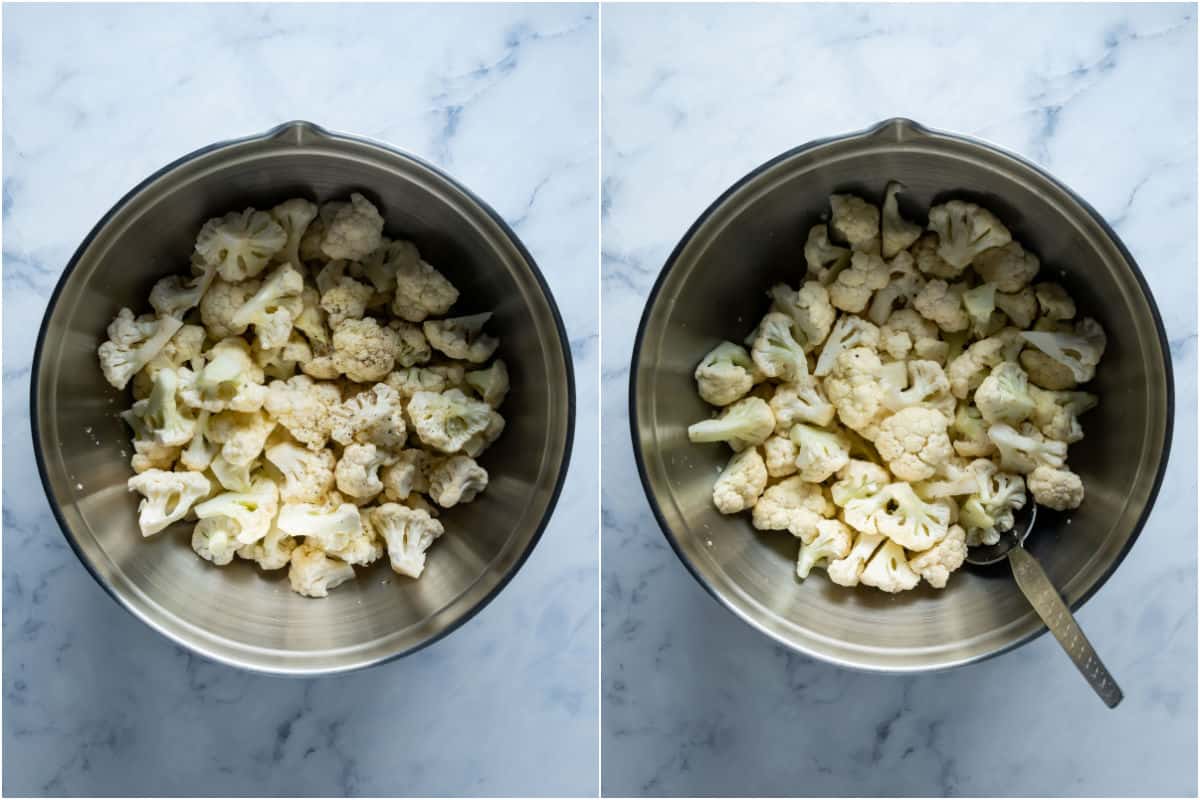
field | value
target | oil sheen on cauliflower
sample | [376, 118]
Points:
[900, 405]
[304, 396]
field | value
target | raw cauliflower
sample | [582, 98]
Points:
[914, 442]
[741, 482]
[457, 479]
[355, 231]
[965, 230]
[794, 505]
[856, 222]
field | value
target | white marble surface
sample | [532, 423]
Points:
[694, 702]
[95, 99]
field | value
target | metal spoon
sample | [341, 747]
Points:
[1047, 602]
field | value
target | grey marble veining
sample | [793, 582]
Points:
[96, 98]
[694, 701]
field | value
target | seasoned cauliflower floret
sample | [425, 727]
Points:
[856, 222]
[408, 382]
[230, 380]
[166, 497]
[342, 297]
[852, 289]
[965, 230]
[911, 522]
[741, 482]
[1054, 301]
[1059, 489]
[457, 479]
[793, 505]
[447, 420]
[330, 526]
[374, 416]
[215, 539]
[942, 304]
[307, 474]
[746, 423]
[855, 389]
[925, 256]
[936, 563]
[462, 337]
[133, 343]
[1009, 267]
[241, 243]
[294, 216]
[776, 351]
[491, 383]
[914, 442]
[824, 259]
[483, 440]
[1021, 307]
[363, 350]
[312, 572]
[421, 291]
[357, 471]
[407, 475]
[355, 230]
[175, 295]
[242, 436]
[409, 533]
[304, 407]
[898, 233]
[251, 512]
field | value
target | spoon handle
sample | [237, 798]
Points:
[1054, 612]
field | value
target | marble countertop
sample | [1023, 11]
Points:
[96, 98]
[694, 701]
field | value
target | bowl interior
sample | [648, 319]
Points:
[714, 289]
[238, 613]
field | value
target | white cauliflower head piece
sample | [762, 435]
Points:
[421, 291]
[448, 420]
[793, 505]
[357, 471]
[831, 541]
[888, 570]
[776, 351]
[328, 526]
[1026, 449]
[354, 232]
[914, 442]
[409, 533]
[1008, 267]
[847, 333]
[819, 453]
[363, 350]
[312, 572]
[462, 338]
[746, 423]
[936, 563]
[1004, 395]
[823, 258]
[241, 243]
[457, 479]
[1056, 488]
[294, 216]
[856, 222]
[308, 474]
[252, 512]
[898, 233]
[852, 289]
[965, 230]
[492, 383]
[811, 312]
[273, 307]
[166, 497]
[304, 407]
[741, 482]
[374, 416]
[911, 522]
[133, 343]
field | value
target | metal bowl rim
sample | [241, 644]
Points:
[564, 341]
[672, 260]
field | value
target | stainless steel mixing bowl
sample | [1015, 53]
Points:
[238, 614]
[713, 287]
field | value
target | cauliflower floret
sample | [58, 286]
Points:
[242, 436]
[167, 497]
[914, 443]
[241, 243]
[1045, 372]
[329, 526]
[251, 512]
[481, 441]
[1009, 267]
[793, 505]
[1054, 301]
[409, 533]
[856, 222]
[980, 305]
[990, 509]
[1079, 352]
[904, 284]
[304, 407]
[462, 338]
[231, 380]
[1059, 489]
[220, 305]
[133, 343]
[374, 416]
[380, 267]
[1056, 413]
[282, 362]
[411, 346]
[342, 297]
[936, 563]
[215, 539]
[888, 570]
[741, 482]
[406, 476]
[234, 477]
[313, 573]
[776, 351]
[942, 304]
[200, 451]
[421, 291]
[307, 474]
[968, 370]
[811, 312]
[1004, 395]
[447, 420]
[898, 233]
[183, 349]
[357, 471]
[800, 402]
[175, 295]
[746, 423]
[779, 454]
[457, 479]
[311, 321]
[855, 389]
[965, 230]
[852, 289]
[363, 350]
[911, 522]
[294, 216]
[273, 551]
[970, 433]
[408, 382]
[492, 383]
[1025, 450]
[824, 260]
[848, 332]
[271, 309]
[364, 547]
[159, 417]
[819, 453]
[859, 481]
[926, 386]
[847, 570]
[831, 541]
[354, 232]
[1020, 307]
[925, 254]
